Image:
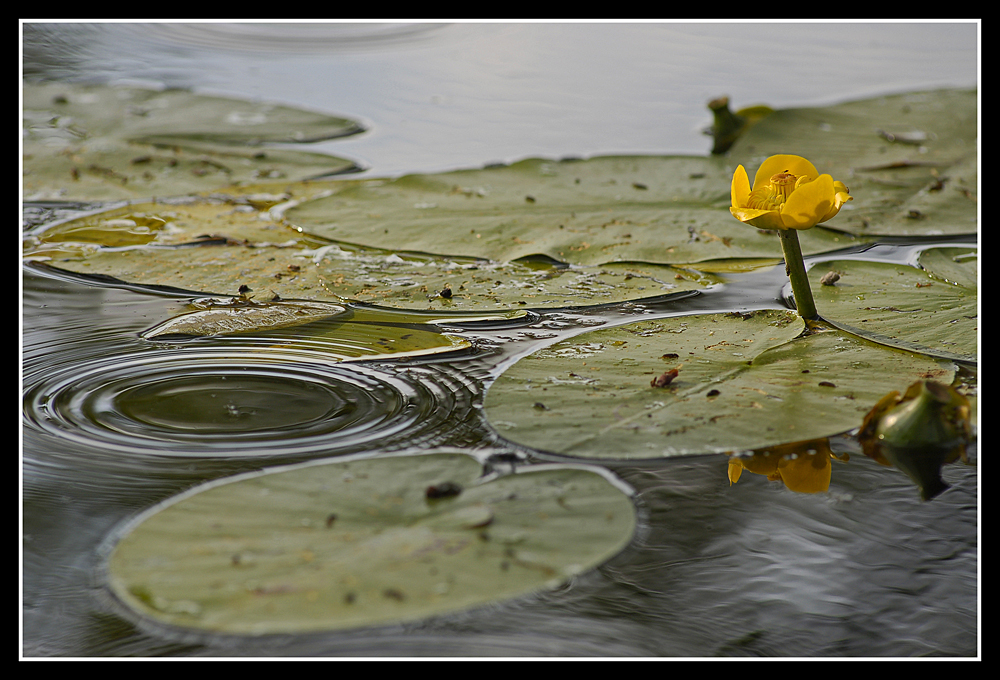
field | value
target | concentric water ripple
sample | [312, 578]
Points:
[217, 402]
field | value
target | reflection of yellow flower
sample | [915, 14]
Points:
[802, 466]
[788, 193]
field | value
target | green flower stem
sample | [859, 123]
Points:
[795, 268]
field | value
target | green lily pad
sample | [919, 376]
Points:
[655, 209]
[243, 316]
[356, 334]
[314, 331]
[216, 244]
[930, 309]
[742, 381]
[88, 142]
[326, 546]
[910, 160]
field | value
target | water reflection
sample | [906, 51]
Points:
[803, 467]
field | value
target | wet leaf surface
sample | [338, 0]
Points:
[217, 243]
[227, 317]
[931, 308]
[362, 543]
[582, 212]
[92, 142]
[744, 381]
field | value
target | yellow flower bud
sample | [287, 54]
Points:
[918, 432]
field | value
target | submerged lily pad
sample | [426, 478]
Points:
[910, 160]
[697, 384]
[369, 542]
[218, 243]
[89, 142]
[312, 331]
[240, 316]
[930, 309]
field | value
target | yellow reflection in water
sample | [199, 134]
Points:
[801, 466]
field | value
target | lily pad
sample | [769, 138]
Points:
[742, 381]
[910, 160]
[89, 142]
[326, 546]
[215, 244]
[311, 331]
[931, 308]
[242, 316]
[655, 209]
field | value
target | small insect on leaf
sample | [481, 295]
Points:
[665, 379]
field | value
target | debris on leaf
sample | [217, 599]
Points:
[830, 278]
[665, 379]
[443, 490]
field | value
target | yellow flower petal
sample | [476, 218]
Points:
[843, 196]
[796, 165]
[762, 219]
[808, 204]
[735, 470]
[807, 473]
[740, 190]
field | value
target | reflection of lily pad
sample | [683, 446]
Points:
[97, 143]
[743, 382]
[218, 243]
[930, 309]
[661, 209]
[910, 160]
[362, 543]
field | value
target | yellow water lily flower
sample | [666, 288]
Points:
[788, 193]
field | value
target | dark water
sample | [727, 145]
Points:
[750, 569]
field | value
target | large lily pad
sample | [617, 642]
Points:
[910, 160]
[656, 209]
[88, 142]
[742, 381]
[218, 243]
[363, 543]
[931, 308]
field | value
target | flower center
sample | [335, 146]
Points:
[774, 193]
